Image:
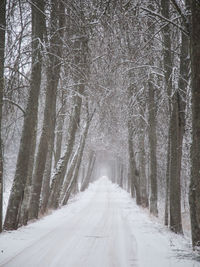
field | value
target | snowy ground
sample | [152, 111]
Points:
[101, 227]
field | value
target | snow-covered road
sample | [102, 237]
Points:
[102, 227]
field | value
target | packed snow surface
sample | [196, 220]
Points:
[101, 227]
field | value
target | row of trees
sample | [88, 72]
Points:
[102, 80]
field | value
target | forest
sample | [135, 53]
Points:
[100, 87]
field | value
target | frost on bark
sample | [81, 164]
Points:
[152, 133]
[23, 215]
[2, 54]
[152, 147]
[90, 168]
[142, 163]
[45, 191]
[177, 132]
[133, 172]
[48, 128]
[176, 124]
[30, 119]
[74, 179]
[80, 76]
[195, 148]
[59, 130]
[60, 171]
[70, 172]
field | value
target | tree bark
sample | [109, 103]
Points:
[152, 147]
[166, 222]
[142, 164]
[152, 134]
[69, 174]
[194, 197]
[46, 179]
[58, 178]
[30, 119]
[23, 214]
[2, 55]
[133, 172]
[74, 179]
[92, 159]
[53, 74]
[59, 135]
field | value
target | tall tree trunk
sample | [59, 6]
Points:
[2, 54]
[80, 76]
[92, 159]
[59, 130]
[133, 172]
[167, 180]
[142, 164]
[175, 187]
[121, 178]
[177, 133]
[195, 148]
[152, 147]
[74, 179]
[152, 122]
[46, 179]
[53, 73]
[30, 119]
[58, 178]
[70, 172]
[23, 216]
[134, 177]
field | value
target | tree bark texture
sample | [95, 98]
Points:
[2, 55]
[133, 172]
[152, 148]
[45, 191]
[86, 181]
[142, 163]
[53, 74]
[59, 130]
[74, 179]
[23, 214]
[195, 148]
[58, 178]
[80, 75]
[30, 119]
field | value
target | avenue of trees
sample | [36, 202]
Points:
[91, 85]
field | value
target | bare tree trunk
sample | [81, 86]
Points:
[175, 187]
[177, 123]
[74, 179]
[46, 179]
[59, 130]
[58, 178]
[23, 215]
[195, 148]
[2, 54]
[167, 180]
[92, 159]
[133, 172]
[152, 122]
[171, 172]
[47, 135]
[121, 180]
[142, 164]
[177, 133]
[153, 146]
[30, 119]
[70, 172]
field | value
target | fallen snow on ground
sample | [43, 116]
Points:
[101, 227]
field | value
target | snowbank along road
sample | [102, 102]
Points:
[101, 227]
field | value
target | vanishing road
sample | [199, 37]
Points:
[95, 230]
